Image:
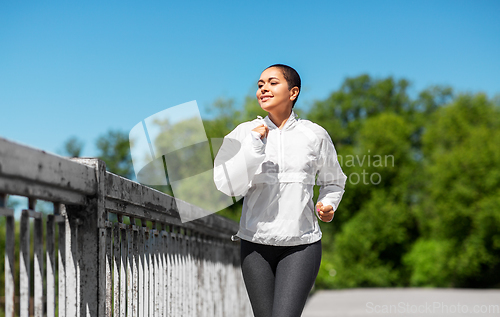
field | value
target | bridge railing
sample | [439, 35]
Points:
[111, 247]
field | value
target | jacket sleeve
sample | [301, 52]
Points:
[241, 154]
[330, 178]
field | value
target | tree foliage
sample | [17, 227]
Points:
[114, 149]
[458, 210]
[72, 147]
[433, 220]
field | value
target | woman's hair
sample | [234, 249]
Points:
[291, 77]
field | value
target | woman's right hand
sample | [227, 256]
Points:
[263, 130]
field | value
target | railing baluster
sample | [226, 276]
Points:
[184, 284]
[24, 265]
[38, 263]
[116, 269]
[177, 299]
[130, 265]
[152, 284]
[207, 276]
[165, 270]
[123, 269]
[107, 256]
[147, 281]
[154, 277]
[135, 268]
[192, 273]
[72, 265]
[221, 276]
[158, 275]
[231, 281]
[61, 261]
[220, 288]
[201, 276]
[140, 272]
[9, 256]
[171, 276]
[169, 250]
[213, 278]
[196, 242]
[211, 274]
[51, 265]
[188, 274]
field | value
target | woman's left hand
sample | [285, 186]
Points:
[325, 212]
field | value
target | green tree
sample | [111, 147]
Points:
[458, 206]
[114, 149]
[359, 98]
[368, 250]
[72, 147]
[377, 130]
[344, 113]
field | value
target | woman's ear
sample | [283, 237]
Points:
[294, 93]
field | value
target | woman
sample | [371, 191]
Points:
[274, 162]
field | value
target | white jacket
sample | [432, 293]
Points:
[276, 176]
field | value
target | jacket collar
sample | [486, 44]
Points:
[288, 124]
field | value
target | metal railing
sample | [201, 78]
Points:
[111, 247]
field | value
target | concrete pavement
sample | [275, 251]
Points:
[379, 302]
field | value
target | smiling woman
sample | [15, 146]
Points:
[279, 74]
[275, 169]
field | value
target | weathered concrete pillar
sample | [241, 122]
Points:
[87, 242]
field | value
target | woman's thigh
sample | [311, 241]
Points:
[258, 275]
[278, 279]
[294, 278]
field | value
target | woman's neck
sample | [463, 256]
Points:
[279, 118]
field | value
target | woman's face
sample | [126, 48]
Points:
[273, 93]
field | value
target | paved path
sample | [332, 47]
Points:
[379, 302]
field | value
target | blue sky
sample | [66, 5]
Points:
[82, 68]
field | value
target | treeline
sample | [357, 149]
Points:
[422, 201]
[434, 218]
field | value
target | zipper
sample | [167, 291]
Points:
[280, 152]
[262, 120]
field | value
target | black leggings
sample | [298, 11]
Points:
[279, 278]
